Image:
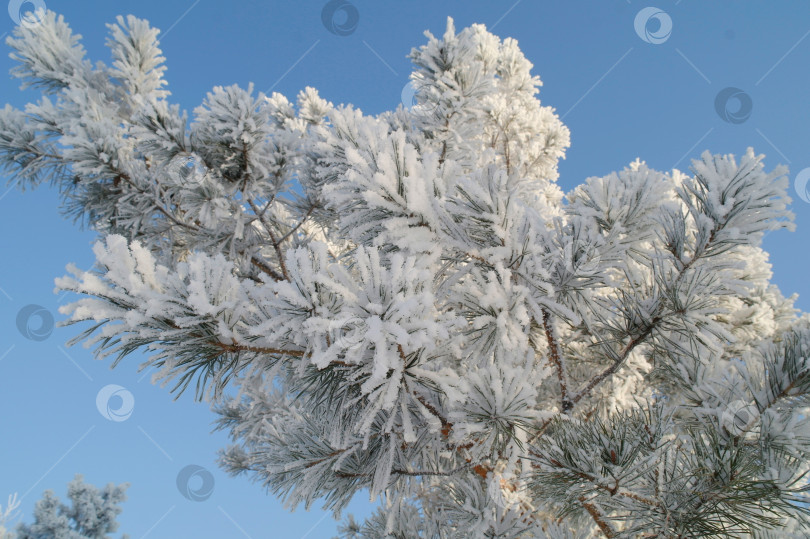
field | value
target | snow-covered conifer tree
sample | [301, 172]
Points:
[6, 514]
[91, 514]
[408, 304]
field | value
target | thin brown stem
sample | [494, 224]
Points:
[556, 359]
[273, 240]
[267, 269]
[615, 490]
[635, 341]
[301, 222]
[257, 349]
[540, 430]
[598, 517]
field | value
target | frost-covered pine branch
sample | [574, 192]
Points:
[407, 304]
[92, 513]
[6, 514]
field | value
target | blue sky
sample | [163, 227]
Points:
[624, 94]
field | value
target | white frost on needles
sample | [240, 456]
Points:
[407, 303]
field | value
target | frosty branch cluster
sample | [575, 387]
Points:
[92, 513]
[408, 304]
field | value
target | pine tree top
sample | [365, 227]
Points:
[408, 303]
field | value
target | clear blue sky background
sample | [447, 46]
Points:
[622, 98]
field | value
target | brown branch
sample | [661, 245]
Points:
[657, 318]
[556, 359]
[267, 206]
[265, 268]
[598, 517]
[478, 258]
[446, 425]
[541, 429]
[397, 471]
[615, 490]
[257, 349]
[635, 341]
[327, 457]
[418, 473]
[124, 176]
[303, 220]
[234, 348]
[273, 240]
